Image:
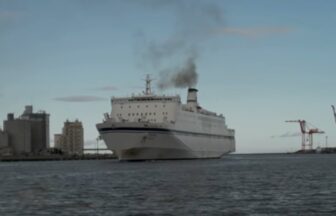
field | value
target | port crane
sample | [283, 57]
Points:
[306, 130]
[333, 108]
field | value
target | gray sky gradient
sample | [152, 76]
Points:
[80, 98]
[258, 62]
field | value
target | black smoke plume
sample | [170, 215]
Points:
[176, 56]
[182, 78]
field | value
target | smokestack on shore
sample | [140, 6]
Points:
[192, 99]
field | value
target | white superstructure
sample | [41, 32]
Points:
[149, 126]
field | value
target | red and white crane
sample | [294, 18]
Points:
[306, 130]
[310, 136]
[303, 131]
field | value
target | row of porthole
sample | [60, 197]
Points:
[138, 106]
[141, 114]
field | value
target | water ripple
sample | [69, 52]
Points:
[234, 185]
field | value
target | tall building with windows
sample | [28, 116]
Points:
[71, 141]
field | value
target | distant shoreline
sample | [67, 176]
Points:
[56, 157]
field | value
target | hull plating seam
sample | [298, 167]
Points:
[158, 130]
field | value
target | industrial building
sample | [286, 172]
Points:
[3, 139]
[71, 141]
[58, 140]
[4, 148]
[27, 134]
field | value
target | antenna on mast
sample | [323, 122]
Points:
[148, 85]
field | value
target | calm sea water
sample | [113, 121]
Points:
[234, 185]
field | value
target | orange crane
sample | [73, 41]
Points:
[305, 130]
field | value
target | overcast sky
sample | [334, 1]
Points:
[259, 62]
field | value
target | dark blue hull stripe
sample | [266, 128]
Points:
[157, 130]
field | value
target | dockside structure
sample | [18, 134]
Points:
[27, 134]
[4, 148]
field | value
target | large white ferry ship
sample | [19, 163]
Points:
[151, 127]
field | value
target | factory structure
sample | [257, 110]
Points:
[71, 141]
[26, 134]
[4, 148]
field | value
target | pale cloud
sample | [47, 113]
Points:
[80, 98]
[107, 88]
[287, 134]
[255, 32]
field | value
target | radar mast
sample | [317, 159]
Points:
[148, 85]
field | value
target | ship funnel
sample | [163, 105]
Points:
[192, 99]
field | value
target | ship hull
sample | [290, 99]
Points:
[143, 143]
